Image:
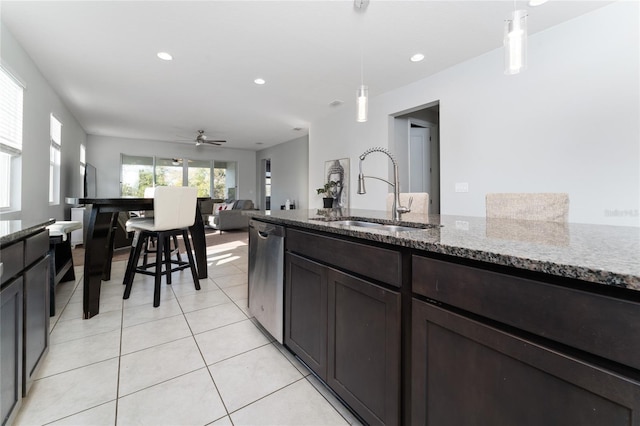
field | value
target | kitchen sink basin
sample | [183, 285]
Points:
[380, 226]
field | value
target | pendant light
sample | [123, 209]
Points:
[362, 94]
[515, 42]
[362, 98]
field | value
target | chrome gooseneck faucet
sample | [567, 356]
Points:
[397, 209]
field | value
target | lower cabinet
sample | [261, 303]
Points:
[11, 349]
[465, 372]
[36, 318]
[347, 330]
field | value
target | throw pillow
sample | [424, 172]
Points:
[229, 206]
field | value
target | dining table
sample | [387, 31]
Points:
[98, 243]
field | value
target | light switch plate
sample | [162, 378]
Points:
[462, 187]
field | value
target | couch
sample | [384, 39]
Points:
[230, 216]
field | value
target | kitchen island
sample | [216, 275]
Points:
[467, 321]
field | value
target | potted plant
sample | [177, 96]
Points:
[325, 191]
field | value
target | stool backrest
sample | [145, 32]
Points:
[551, 207]
[174, 207]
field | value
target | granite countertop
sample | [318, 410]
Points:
[14, 230]
[601, 254]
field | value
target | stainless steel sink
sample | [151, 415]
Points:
[380, 226]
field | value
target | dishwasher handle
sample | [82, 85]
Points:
[265, 230]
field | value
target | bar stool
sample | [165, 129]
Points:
[174, 213]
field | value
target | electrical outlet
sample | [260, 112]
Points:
[462, 187]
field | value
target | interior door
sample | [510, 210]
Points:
[419, 159]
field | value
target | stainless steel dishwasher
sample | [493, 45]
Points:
[266, 276]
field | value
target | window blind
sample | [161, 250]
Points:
[11, 95]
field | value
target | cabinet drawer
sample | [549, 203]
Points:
[373, 262]
[35, 247]
[12, 260]
[602, 325]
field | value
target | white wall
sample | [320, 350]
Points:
[289, 172]
[39, 102]
[104, 153]
[570, 123]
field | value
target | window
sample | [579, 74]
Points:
[83, 166]
[136, 174]
[54, 161]
[10, 141]
[224, 180]
[199, 176]
[169, 172]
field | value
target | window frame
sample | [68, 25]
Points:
[11, 139]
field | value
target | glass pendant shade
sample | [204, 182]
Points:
[362, 101]
[515, 43]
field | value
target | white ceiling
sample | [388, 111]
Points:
[101, 58]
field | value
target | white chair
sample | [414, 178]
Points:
[174, 212]
[550, 207]
[419, 205]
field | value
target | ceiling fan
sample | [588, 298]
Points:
[202, 139]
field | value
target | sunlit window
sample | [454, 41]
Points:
[54, 161]
[10, 140]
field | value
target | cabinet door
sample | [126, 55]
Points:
[10, 349]
[467, 373]
[306, 312]
[364, 347]
[36, 317]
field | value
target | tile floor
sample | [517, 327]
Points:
[197, 359]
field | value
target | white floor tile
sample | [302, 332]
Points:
[77, 353]
[55, 397]
[222, 270]
[134, 315]
[214, 317]
[202, 300]
[237, 291]
[225, 342]
[225, 421]
[102, 415]
[252, 375]
[344, 412]
[243, 304]
[190, 399]
[154, 333]
[296, 405]
[65, 331]
[151, 366]
[231, 280]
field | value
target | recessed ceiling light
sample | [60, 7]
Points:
[417, 57]
[535, 3]
[336, 102]
[165, 56]
[259, 81]
[258, 143]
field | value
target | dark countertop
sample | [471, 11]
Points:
[601, 254]
[14, 230]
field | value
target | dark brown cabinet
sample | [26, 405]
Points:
[364, 347]
[305, 329]
[505, 350]
[345, 328]
[36, 318]
[24, 331]
[10, 349]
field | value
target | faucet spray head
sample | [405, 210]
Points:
[361, 188]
